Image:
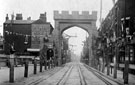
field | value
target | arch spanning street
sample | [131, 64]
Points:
[65, 20]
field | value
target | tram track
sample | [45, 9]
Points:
[42, 78]
[64, 79]
[101, 76]
[73, 74]
[82, 78]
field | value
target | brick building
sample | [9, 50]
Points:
[23, 34]
[15, 34]
[40, 29]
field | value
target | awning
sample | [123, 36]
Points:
[33, 50]
[2, 55]
[26, 57]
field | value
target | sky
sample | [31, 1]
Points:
[33, 8]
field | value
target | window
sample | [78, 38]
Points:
[26, 39]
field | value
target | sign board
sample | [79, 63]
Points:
[49, 45]
[12, 56]
[33, 50]
[32, 57]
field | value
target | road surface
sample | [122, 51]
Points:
[74, 73]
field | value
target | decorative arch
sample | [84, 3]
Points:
[65, 20]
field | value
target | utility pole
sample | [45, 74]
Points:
[103, 59]
[116, 43]
[126, 68]
[113, 2]
[100, 12]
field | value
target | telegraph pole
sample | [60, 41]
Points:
[126, 68]
[116, 44]
[100, 11]
[11, 72]
[113, 2]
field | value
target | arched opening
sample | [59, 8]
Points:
[74, 41]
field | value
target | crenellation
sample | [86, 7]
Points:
[56, 12]
[75, 15]
[94, 12]
[85, 13]
[65, 13]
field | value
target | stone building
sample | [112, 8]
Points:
[65, 20]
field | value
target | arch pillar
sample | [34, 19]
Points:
[59, 50]
[90, 50]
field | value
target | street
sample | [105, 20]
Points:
[73, 73]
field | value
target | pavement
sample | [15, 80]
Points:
[18, 73]
[120, 77]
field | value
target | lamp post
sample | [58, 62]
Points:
[11, 76]
[45, 50]
[126, 69]
[103, 57]
[12, 51]
[108, 58]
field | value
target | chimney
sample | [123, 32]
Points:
[19, 17]
[43, 17]
[7, 18]
[29, 18]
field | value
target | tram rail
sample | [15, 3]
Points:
[65, 77]
[67, 72]
[82, 78]
[42, 79]
[104, 78]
